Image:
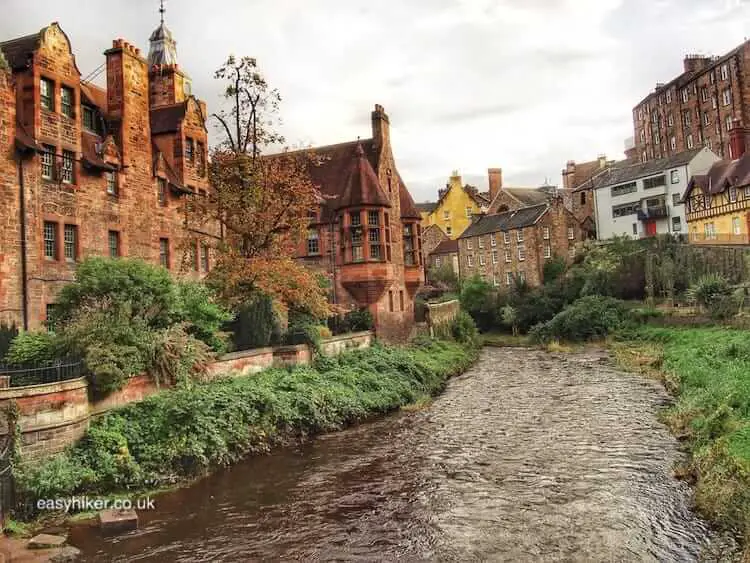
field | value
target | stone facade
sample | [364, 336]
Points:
[518, 243]
[98, 171]
[697, 108]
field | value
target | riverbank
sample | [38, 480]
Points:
[183, 433]
[708, 372]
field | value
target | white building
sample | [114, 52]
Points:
[643, 199]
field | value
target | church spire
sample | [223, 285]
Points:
[163, 49]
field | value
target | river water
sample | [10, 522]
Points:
[528, 456]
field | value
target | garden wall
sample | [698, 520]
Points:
[53, 416]
[441, 314]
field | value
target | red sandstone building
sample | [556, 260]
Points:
[367, 237]
[696, 109]
[90, 171]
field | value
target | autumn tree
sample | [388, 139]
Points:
[263, 201]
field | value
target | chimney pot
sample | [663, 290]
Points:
[495, 176]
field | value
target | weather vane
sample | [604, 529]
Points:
[161, 10]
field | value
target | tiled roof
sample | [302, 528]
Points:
[427, 207]
[95, 96]
[18, 51]
[527, 196]
[447, 246]
[408, 209]
[723, 174]
[624, 171]
[361, 186]
[91, 156]
[516, 219]
[168, 118]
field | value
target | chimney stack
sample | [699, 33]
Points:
[737, 140]
[602, 158]
[381, 128]
[496, 181]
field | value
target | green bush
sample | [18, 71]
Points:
[7, 334]
[255, 325]
[205, 318]
[34, 348]
[708, 289]
[590, 317]
[185, 431]
[176, 357]
[464, 330]
[554, 269]
[109, 366]
[479, 299]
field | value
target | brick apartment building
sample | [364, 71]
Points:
[366, 237]
[90, 171]
[697, 108]
[518, 243]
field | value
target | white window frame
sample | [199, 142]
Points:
[470, 261]
[469, 244]
[48, 162]
[508, 278]
[676, 224]
[736, 226]
[670, 120]
[508, 256]
[571, 233]
[506, 237]
[521, 253]
[547, 250]
[494, 256]
[728, 122]
[480, 244]
[689, 140]
[669, 96]
[726, 97]
[545, 233]
[725, 72]
[685, 95]
[519, 235]
[67, 173]
[673, 144]
[732, 194]
[493, 239]
[482, 261]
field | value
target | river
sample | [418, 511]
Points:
[528, 456]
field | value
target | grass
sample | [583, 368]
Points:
[708, 370]
[501, 339]
[183, 433]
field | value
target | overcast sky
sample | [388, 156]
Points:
[524, 85]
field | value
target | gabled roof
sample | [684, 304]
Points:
[427, 207]
[624, 171]
[722, 175]
[516, 219]
[447, 246]
[361, 186]
[18, 51]
[527, 196]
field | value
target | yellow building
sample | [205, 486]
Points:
[717, 204]
[455, 207]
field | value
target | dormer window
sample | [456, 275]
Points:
[189, 149]
[47, 94]
[66, 101]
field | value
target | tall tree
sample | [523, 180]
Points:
[263, 201]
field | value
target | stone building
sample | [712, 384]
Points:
[517, 243]
[697, 108]
[578, 178]
[87, 171]
[366, 237]
[717, 202]
[445, 253]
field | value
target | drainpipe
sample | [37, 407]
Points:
[24, 267]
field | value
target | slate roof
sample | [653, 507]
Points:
[516, 219]
[447, 246]
[408, 208]
[624, 171]
[722, 175]
[427, 207]
[527, 196]
[18, 51]
[361, 186]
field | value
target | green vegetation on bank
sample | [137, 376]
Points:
[708, 369]
[183, 432]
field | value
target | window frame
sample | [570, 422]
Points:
[67, 170]
[164, 253]
[47, 101]
[113, 236]
[521, 252]
[313, 240]
[70, 245]
[49, 241]
[111, 179]
[47, 160]
[547, 250]
[161, 192]
[67, 109]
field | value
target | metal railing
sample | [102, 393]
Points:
[38, 373]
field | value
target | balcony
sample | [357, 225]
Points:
[653, 212]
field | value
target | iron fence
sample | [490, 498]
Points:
[38, 373]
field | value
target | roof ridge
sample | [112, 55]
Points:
[323, 147]
[22, 38]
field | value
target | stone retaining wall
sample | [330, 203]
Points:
[441, 314]
[53, 416]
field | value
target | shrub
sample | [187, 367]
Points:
[34, 348]
[359, 320]
[443, 277]
[197, 306]
[109, 365]
[479, 299]
[255, 324]
[708, 289]
[590, 317]
[554, 269]
[7, 334]
[463, 329]
[176, 357]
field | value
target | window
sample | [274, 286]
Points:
[493, 239]
[669, 96]
[644, 156]
[707, 200]
[50, 316]
[676, 199]
[674, 177]
[583, 198]
[522, 277]
[519, 235]
[685, 94]
[373, 218]
[164, 252]
[726, 97]
[204, 257]
[470, 261]
[635, 228]
[47, 94]
[469, 244]
[88, 118]
[545, 233]
[189, 149]
[111, 182]
[508, 278]
[728, 123]
[704, 94]
[655, 182]
[521, 253]
[494, 279]
[161, 185]
[624, 189]
[374, 239]
[714, 102]
[468, 212]
[640, 113]
[200, 154]
[50, 240]
[70, 242]
[401, 299]
[506, 237]
[724, 72]
[670, 120]
[68, 157]
[48, 162]
[113, 240]
[313, 243]
[706, 118]
[686, 118]
[673, 144]
[625, 209]
[676, 224]
[481, 260]
[732, 194]
[643, 135]
[657, 138]
[507, 256]
[446, 215]
[690, 142]
[66, 101]
[747, 192]
[448, 230]
[736, 226]
[547, 250]
[390, 301]
[481, 242]
[193, 253]
[410, 246]
[494, 256]
[571, 233]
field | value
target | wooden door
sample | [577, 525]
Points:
[651, 228]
